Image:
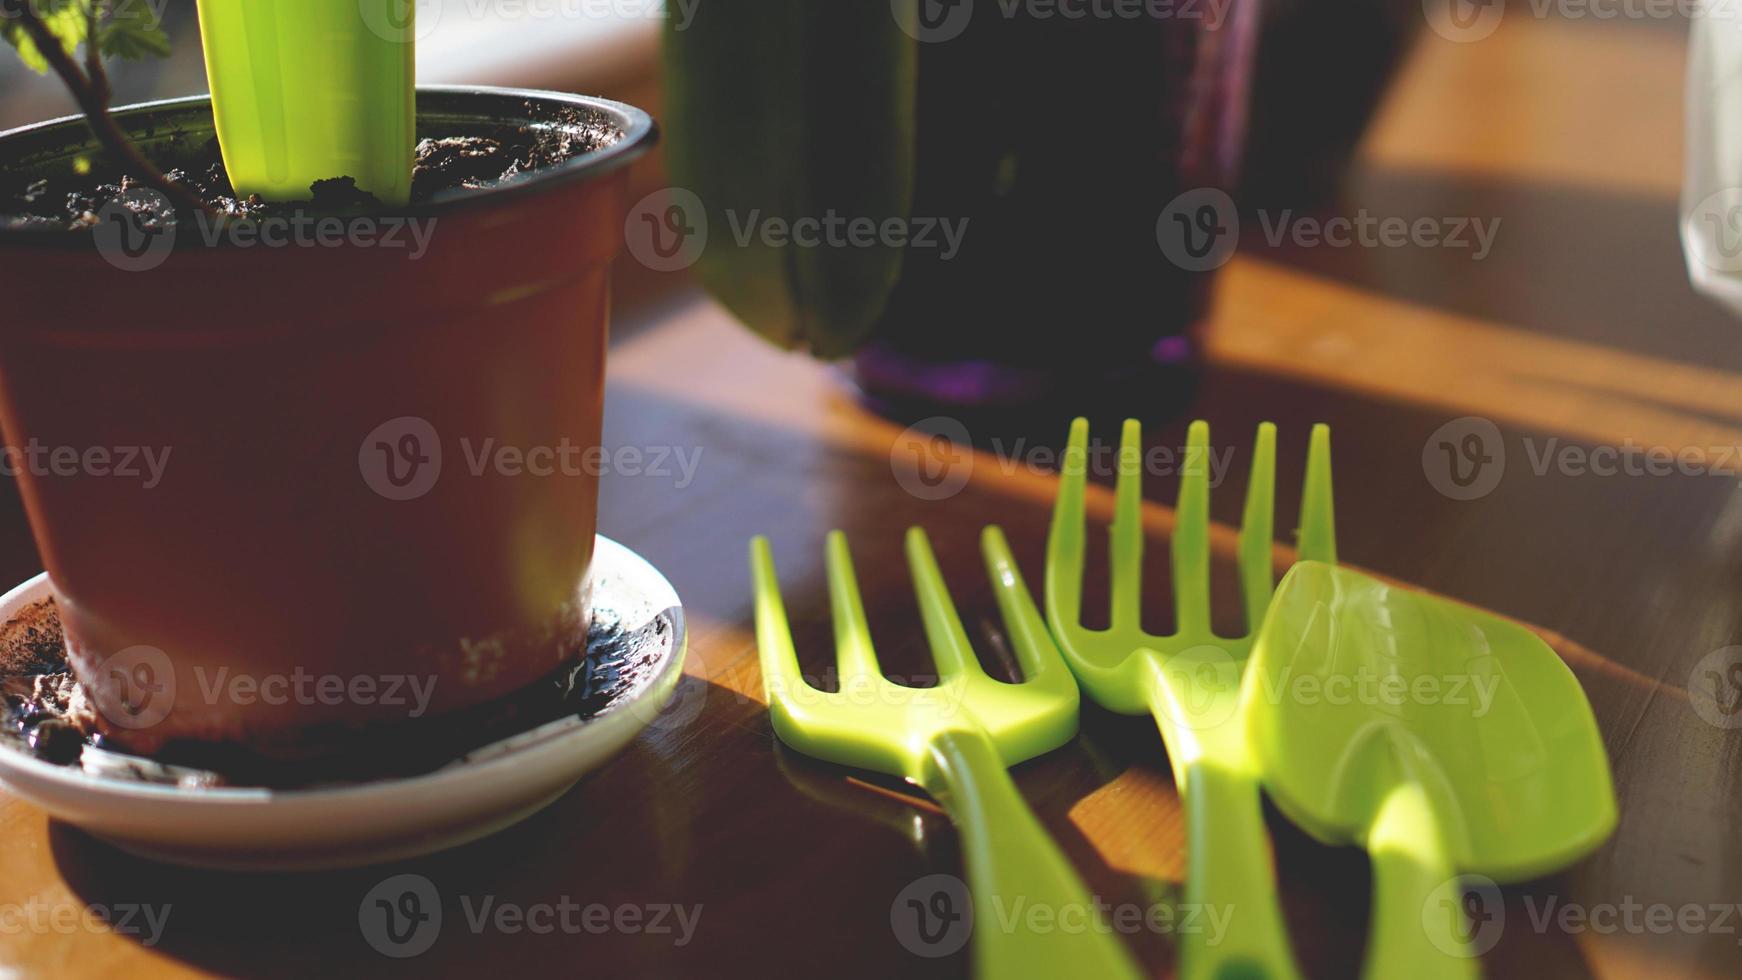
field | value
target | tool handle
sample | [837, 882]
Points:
[1420, 926]
[1032, 915]
[1230, 887]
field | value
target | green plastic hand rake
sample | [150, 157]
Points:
[955, 740]
[1190, 681]
[310, 90]
[1444, 739]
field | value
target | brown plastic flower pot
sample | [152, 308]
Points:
[331, 512]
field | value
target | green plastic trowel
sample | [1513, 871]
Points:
[311, 90]
[1446, 740]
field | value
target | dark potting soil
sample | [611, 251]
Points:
[444, 165]
[45, 712]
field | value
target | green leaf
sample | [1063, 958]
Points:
[65, 19]
[130, 29]
[134, 32]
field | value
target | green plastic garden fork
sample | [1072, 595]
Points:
[310, 90]
[954, 740]
[1190, 681]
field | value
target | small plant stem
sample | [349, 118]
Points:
[94, 51]
[92, 95]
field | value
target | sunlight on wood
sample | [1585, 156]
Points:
[1544, 106]
[724, 654]
[1354, 340]
[1136, 824]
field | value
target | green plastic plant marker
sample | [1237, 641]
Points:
[955, 740]
[309, 90]
[1190, 681]
[1444, 739]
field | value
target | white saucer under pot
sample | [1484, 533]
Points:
[487, 790]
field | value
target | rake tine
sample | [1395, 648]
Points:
[1318, 524]
[1028, 633]
[1191, 537]
[1125, 536]
[943, 626]
[1065, 541]
[780, 673]
[1257, 526]
[853, 650]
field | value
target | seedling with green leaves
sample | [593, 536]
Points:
[302, 90]
[50, 36]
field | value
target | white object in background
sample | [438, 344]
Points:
[569, 45]
[1711, 207]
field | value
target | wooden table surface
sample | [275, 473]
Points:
[1578, 330]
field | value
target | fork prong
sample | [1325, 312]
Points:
[1066, 540]
[780, 673]
[1191, 536]
[1257, 527]
[1034, 647]
[943, 626]
[1125, 536]
[1318, 523]
[853, 650]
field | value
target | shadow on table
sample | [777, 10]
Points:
[616, 842]
[1581, 263]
